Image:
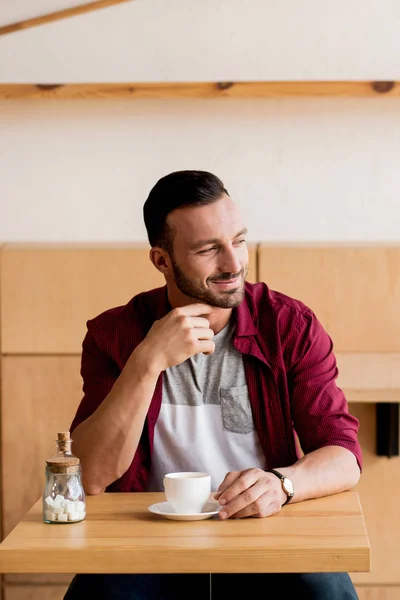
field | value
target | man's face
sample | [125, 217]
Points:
[209, 257]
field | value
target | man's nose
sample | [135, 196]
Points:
[230, 262]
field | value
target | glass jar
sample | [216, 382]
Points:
[64, 496]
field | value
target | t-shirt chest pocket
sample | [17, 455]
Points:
[236, 411]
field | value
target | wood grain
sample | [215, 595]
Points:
[121, 536]
[23, 579]
[222, 89]
[368, 377]
[23, 592]
[40, 397]
[35, 592]
[378, 593]
[59, 15]
[48, 293]
[354, 290]
[379, 489]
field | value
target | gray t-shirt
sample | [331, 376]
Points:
[205, 422]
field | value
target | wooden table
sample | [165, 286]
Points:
[119, 535]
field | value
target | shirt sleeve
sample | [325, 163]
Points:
[319, 408]
[99, 373]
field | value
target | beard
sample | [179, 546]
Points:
[224, 299]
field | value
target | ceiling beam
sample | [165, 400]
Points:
[61, 14]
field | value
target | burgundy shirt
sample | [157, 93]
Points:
[289, 365]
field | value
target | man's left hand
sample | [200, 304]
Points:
[250, 493]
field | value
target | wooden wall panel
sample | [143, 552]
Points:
[378, 593]
[40, 397]
[35, 592]
[252, 274]
[48, 294]
[369, 377]
[41, 592]
[21, 592]
[38, 578]
[354, 291]
[379, 490]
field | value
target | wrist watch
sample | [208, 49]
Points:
[287, 485]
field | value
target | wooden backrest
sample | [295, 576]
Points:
[354, 290]
[48, 293]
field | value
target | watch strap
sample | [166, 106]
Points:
[282, 478]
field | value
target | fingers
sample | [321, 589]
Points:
[195, 310]
[229, 479]
[194, 324]
[204, 341]
[197, 323]
[237, 485]
[205, 346]
[249, 493]
[182, 333]
[264, 506]
[203, 334]
[250, 502]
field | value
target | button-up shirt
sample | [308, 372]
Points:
[290, 372]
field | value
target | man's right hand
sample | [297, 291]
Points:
[177, 336]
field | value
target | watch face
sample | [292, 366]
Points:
[288, 486]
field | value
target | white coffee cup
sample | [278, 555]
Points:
[187, 492]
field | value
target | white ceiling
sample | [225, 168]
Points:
[20, 10]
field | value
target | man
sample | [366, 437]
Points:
[212, 373]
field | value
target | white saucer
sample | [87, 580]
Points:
[164, 509]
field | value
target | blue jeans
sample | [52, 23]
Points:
[290, 586]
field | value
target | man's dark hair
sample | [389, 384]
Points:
[176, 190]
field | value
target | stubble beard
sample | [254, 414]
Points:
[225, 299]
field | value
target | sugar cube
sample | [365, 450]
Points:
[63, 517]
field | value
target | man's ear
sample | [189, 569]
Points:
[160, 259]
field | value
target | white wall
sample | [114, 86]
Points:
[19, 10]
[166, 40]
[302, 169]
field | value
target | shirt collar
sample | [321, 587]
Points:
[244, 317]
[162, 305]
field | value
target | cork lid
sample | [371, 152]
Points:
[64, 461]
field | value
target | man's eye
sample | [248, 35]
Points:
[240, 241]
[207, 250]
